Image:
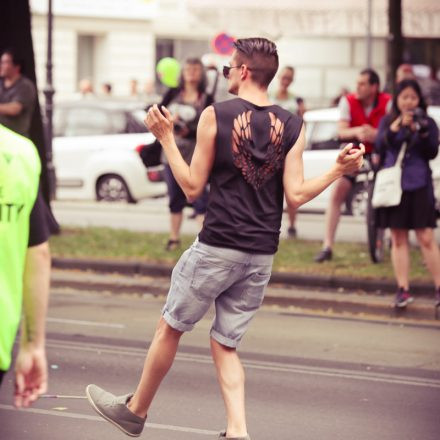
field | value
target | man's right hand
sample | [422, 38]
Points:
[160, 122]
[350, 159]
[366, 133]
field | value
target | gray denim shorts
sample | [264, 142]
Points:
[235, 281]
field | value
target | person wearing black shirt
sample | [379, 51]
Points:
[251, 152]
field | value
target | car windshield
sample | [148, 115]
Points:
[323, 135]
[93, 121]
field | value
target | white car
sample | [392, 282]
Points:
[96, 152]
[322, 148]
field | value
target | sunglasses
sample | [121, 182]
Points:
[227, 69]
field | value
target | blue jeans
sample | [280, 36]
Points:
[233, 280]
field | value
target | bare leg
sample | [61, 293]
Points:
[230, 375]
[340, 191]
[400, 256]
[200, 219]
[291, 231]
[292, 216]
[159, 359]
[175, 223]
[430, 252]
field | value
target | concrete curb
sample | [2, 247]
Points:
[298, 291]
[293, 298]
[285, 278]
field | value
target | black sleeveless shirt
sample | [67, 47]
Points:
[246, 194]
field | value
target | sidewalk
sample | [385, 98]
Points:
[324, 294]
[152, 215]
[342, 295]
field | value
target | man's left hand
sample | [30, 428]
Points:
[30, 376]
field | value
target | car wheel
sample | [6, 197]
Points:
[112, 188]
[357, 201]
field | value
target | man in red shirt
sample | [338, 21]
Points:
[361, 113]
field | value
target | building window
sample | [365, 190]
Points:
[86, 58]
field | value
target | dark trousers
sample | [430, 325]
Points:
[177, 199]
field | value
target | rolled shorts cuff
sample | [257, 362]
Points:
[176, 325]
[232, 343]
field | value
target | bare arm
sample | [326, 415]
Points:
[191, 178]
[347, 132]
[299, 191]
[301, 108]
[31, 364]
[11, 108]
[363, 133]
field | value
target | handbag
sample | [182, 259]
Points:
[151, 153]
[388, 184]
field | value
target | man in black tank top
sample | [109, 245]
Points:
[251, 153]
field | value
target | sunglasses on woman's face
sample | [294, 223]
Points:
[227, 69]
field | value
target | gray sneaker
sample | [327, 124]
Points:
[114, 409]
[223, 436]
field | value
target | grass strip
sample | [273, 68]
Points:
[349, 260]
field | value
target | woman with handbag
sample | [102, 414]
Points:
[186, 103]
[408, 127]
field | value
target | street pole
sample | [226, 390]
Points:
[369, 40]
[48, 93]
[395, 40]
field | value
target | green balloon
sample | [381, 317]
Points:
[168, 70]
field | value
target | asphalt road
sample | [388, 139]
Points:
[308, 377]
[152, 215]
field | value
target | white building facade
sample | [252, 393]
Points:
[116, 41]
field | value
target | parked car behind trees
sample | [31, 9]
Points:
[96, 151]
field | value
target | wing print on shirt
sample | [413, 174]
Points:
[257, 171]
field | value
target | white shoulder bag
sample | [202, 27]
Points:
[388, 184]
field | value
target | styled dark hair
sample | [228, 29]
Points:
[373, 77]
[203, 81]
[405, 83]
[16, 59]
[261, 56]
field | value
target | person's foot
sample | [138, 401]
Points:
[222, 436]
[114, 409]
[291, 232]
[172, 245]
[324, 255]
[403, 298]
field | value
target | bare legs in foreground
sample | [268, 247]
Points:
[291, 212]
[175, 225]
[230, 375]
[400, 254]
[176, 219]
[340, 191]
[159, 359]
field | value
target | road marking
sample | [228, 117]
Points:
[87, 323]
[71, 415]
[261, 365]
